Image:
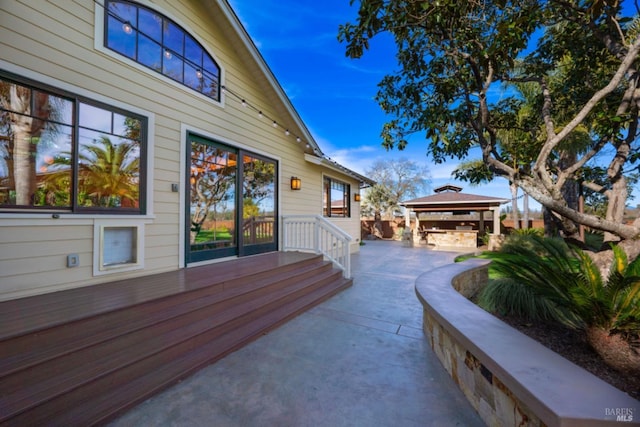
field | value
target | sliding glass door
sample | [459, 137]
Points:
[258, 205]
[231, 203]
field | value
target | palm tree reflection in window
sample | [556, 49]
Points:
[108, 175]
[32, 123]
[50, 150]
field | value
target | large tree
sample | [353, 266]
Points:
[396, 180]
[401, 178]
[454, 55]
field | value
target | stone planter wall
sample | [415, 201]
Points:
[509, 378]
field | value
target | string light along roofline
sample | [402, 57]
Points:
[299, 139]
[243, 101]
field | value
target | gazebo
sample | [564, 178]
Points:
[451, 222]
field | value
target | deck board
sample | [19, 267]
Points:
[83, 355]
[33, 313]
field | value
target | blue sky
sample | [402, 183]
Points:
[334, 95]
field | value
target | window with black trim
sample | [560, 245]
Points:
[336, 200]
[62, 152]
[160, 44]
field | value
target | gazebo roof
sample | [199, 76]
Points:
[448, 187]
[453, 200]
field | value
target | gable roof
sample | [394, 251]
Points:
[250, 47]
[447, 187]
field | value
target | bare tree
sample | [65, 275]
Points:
[396, 180]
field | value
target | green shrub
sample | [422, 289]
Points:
[593, 240]
[613, 304]
[506, 296]
[528, 232]
[544, 279]
[528, 277]
[541, 278]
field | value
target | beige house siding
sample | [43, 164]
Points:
[59, 44]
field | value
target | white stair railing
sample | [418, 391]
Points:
[315, 233]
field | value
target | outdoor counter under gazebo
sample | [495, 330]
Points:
[452, 218]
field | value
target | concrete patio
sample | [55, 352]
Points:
[358, 359]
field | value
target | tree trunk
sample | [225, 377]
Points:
[514, 205]
[525, 210]
[570, 196]
[603, 259]
[615, 207]
[24, 163]
[550, 227]
[377, 225]
[614, 350]
[27, 131]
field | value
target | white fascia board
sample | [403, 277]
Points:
[330, 164]
[232, 18]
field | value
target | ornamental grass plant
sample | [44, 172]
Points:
[544, 279]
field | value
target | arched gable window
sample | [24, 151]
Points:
[157, 42]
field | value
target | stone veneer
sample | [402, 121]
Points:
[509, 378]
[453, 238]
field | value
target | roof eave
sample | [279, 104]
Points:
[466, 202]
[327, 162]
[257, 56]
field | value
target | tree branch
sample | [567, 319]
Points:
[597, 97]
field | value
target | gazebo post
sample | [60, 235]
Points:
[407, 219]
[496, 219]
[481, 222]
[407, 236]
[496, 238]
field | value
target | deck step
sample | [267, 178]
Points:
[88, 370]
[67, 338]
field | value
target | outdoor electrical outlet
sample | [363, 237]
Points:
[73, 260]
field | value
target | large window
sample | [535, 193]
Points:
[336, 198]
[160, 44]
[61, 152]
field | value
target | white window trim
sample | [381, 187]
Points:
[98, 247]
[98, 41]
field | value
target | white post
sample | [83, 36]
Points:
[407, 235]
[407, 219]
[316, 237]
[284, 231]
[496, 219]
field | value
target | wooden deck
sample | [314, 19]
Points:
[80, 357]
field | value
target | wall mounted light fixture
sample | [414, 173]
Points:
[356, 197]
[296, 183]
